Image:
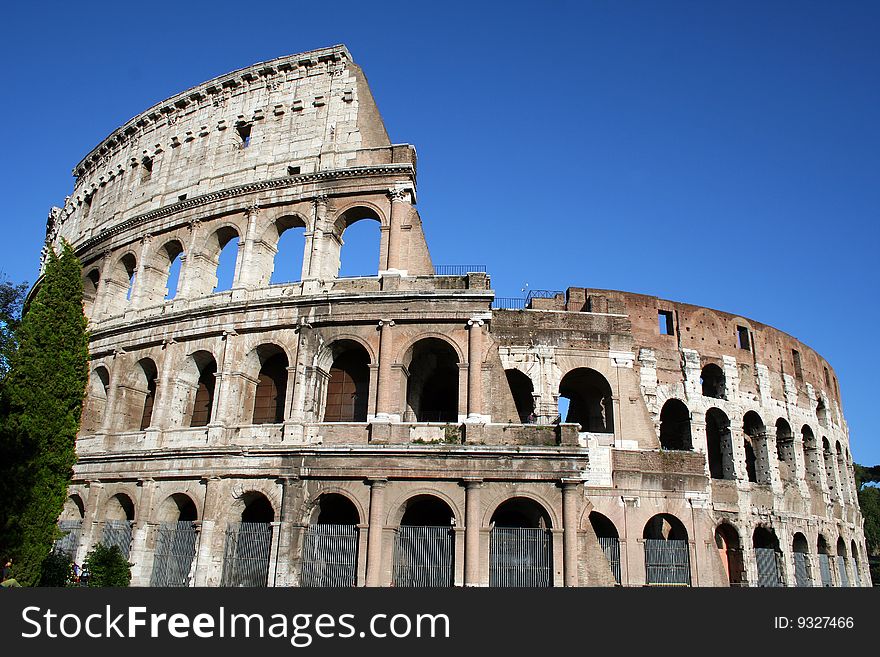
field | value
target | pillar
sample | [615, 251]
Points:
[570, 489]
[138, 555]
[207, 556]
[90, 522]
[383, 381]
[475, 370]
[290, 532]
[400, 203]
[472, 524]
[377, 524]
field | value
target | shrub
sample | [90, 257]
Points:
[107, 566]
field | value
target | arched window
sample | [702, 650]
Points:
[824, 561]
[842, 473]
[842, 563]
[248, 543]
[667, 554]
[785, 451]
[424, 549]
[120, 284]
[719, 444]
[801, 552]
[348, 388]
[227, 259]
[176, 543]
[432, 382]
[288, 234]
[609, 540]
[330, 546]
[755, 442]
[145, 391]
[99, 389]
[830, 467]
[520, 545]
[522, 389]
[203, 399]
[854, 551]
[119, 518]
[70, 524]
[590, 400]
[90, 290]
[730, 550]
[712, 381]
[769, 557]
[361, 256]
[675, 426]
[271, 390]
[812, 458]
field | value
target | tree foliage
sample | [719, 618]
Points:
[107, 566]
[11, 300]
[40, 410]
[57, 570]
[869, 501]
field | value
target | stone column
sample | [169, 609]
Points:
[245, 269]
[188, 263]
[383, 381]
[377, 525]
[472, 523]
[570, 490]
[139, 555]
[400, 203]
[90, 525]
[290, 532]
[136, 300]
[206, 559]
[312, 268]
[475, 370]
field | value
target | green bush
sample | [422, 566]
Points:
[57, 570]
[107, 566]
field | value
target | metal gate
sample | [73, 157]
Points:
[521, 557]
[329, 556]
[841, 568]
[118, 533]
[246, 555]
[769, 568]
[424, 556]
[667, 562]
[825, 570]
[611, 548]
[802, 575]
[68, 543]
[175, 550]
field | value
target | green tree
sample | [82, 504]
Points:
[107, 566]
[11, 300]
[57, 570]
[40, 410]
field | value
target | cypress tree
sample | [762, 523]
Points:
[40, 414]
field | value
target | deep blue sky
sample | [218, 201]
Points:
[721, 153]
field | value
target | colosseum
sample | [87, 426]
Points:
[409, 428]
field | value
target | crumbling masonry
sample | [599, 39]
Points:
[404, 428]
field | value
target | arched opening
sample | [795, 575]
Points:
[70, 523]
[119, 518]
[225, 242]
[730, 550]
[119, 287]
[830, 467]
[360, 257]
[290, 242]
[811, 458]
[203, 400]
[801, 552]
[842, 473]
[270, 393]
[330, 546]
[842, 562]
[348, 386]
[176, 543]
[98, 391]
[768, 557]
[139, 396]
[719, 445]
[522, 389]
[712, 381]
[432, 382]
[424, 548]
[667, 554]
[785, 451]
[822, 413]
[824, 561]
[590, 400]
[609, 540]
[675, 426]
[172, 284]
[755, 443]
[248, 543]
[854, 551]
[90, 290]
[520, 545]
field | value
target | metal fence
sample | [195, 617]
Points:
[329, 556]
[118, 533]
[802, 575]
[521, 557]
[175, 550]
[458, 270]
[611, 548]
[825, 570]
[841, 569]
[424, 556]
[246, 554]
[543, 294]
[769, 567]
[509, 303]
[68, 543]
[667, 562]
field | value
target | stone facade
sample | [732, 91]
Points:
[405, 399]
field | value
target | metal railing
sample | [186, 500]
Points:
[329, 556]
[458, 270]
[521, 557]
[118, 533]
[509, 303]
[841, 569]
[802, 575]
[611, 548]
[667, 562]
[424, 556]
[68, 543]
[825, 570]
[175, 551]
[769, 567]
[543, 294]
[246, 554]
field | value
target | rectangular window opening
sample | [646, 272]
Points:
[293, 171]
[798, 366]
[665, 322]
[743, 340]
[146, 169]
[827, 378]
[244, 132]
